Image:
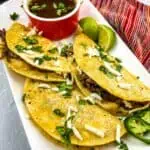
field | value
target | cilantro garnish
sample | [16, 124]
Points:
[82, 102]
[14, 16]
[64, 133]
[67, 89]
[122, 146]
[67, 50]
[106, 71]
[44, 58]
[21, 48]
[58, 112]
[30, 40]
[53, 50]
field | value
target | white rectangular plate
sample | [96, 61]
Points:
[37, 140]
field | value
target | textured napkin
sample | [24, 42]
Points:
[131, 19]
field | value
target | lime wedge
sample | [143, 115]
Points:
[90, 27]
[106, 37]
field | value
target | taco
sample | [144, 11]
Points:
[35, 49]
[107, 72]
[57, 110]
[21, 67]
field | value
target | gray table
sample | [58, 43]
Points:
[12, 135]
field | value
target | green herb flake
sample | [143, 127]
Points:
[67, 88]
[14, 16]
[82, 102]
[58, 112]
[20, 48]
[61, 5]
[67, 50]
[118, 60]
[138, 77]
[122, 146]
[118, 67]
[48, 58]
[53, 50]
[36, 48]
[106, 71]
[39, 60]
[65, 133]
[30, 40]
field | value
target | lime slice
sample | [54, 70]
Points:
[106, 37]
[90, 27]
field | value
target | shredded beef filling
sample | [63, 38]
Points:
[93, 87]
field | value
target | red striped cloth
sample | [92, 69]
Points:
[131, 20]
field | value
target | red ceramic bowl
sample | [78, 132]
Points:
[55, 28]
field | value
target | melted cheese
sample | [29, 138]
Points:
[44, 85]
[92, 52]
[125, 86]
[32, 32]
[96, 96]
[77, 133]
[118, 128]
[77, 98]
[57, 63]
[56, 89]
[96, 131]
[68, 82]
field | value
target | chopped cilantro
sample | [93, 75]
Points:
[58, 112]
[44, 58]
[37, 7]
[20, 48]
[82, 102]
[61, 8]
[106, 71]
[14, 16]
[64, 133]
[53, 50]
[122, 146]
[67, 50]
[39, 60]
[63, 87]
[48, 58]
[118, 60]
[30, 40]
[36, 48]
[118, 67]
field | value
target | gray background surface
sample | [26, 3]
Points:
[12, 135]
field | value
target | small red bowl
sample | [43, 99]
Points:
[55, 28]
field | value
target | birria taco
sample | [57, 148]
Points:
[21, 67]
[60, 111]
[35, 49]
[102, 75]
